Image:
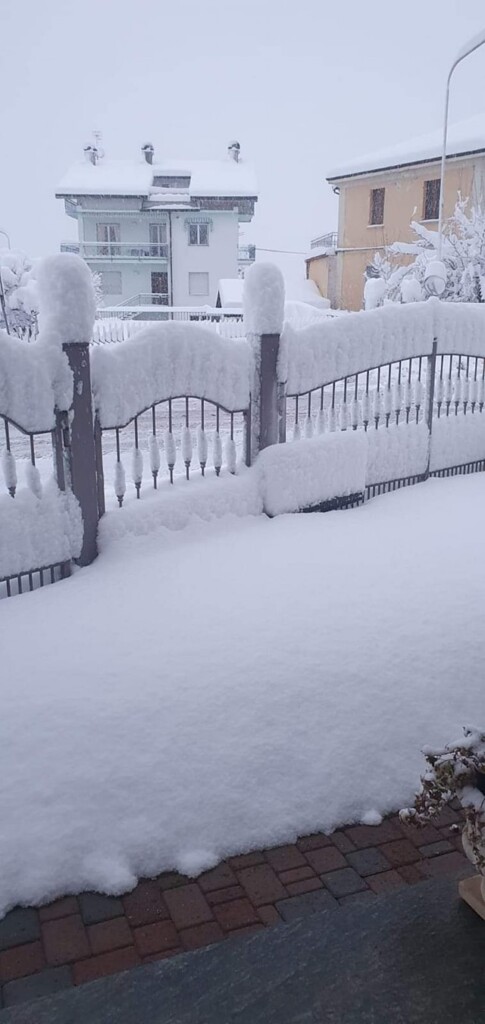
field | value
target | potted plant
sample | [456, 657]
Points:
[458, 771]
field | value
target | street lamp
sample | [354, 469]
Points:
[465, 51]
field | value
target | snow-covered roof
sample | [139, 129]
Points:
[136, 177]
[463, 137]
[305, 290]
[231, 292]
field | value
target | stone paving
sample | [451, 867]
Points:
[78, 939]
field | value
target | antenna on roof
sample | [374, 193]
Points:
[98, 138]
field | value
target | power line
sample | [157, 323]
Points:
[286, 252]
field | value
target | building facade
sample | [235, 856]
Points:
[160, 233]
[381, 194]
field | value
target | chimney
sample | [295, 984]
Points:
[91, 154]
[234, 151]
[148, 152]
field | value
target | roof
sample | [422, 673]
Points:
[464, 137]
[231, 292]
[135, 178]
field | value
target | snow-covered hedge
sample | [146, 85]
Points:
[339, 347]
[38, 531]
[169, 360]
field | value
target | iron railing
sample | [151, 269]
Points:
[328, 241]
[118, 250]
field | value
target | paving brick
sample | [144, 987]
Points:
[400, 852]
[20, 925]
[145, 904]
[419, 835]
[108, 963]
[296, 875]
[356, 898]
[96, 908]
[386, 881]
[269, 915]
[218, 878]
[201, 935]
[54, 979]
[313, 842]
[434, 849]
[171, 880]
[247, 860]
[310, 903]
[235, 914]
[308, 885]
[412, 873]
[233, 892]
[447, 816]
[373, 835]
[342, 842]
[284, 858]
[20, 961]
[327, 859]
[454, 864]
[60, 908]
[188, 906]
[65, 940]
[343, 882]
[249, 929]
[368, 861]
[155, 938]
[261, 884]
[109, 935]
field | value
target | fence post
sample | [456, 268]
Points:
[430, 385]
[82, 457]
[264, 296]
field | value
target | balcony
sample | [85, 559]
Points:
[246, 254]
[328, 241]
[110, 251]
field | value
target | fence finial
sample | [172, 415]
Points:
[67, 306]
[264, 299]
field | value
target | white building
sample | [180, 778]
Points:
[160, 232]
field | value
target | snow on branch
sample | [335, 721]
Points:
[169, 360]
[264, 299]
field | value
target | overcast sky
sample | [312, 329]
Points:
[302, 84]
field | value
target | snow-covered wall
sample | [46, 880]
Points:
[167, 360]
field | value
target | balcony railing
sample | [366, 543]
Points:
[246, 254]
[328, 241]
[118, 250]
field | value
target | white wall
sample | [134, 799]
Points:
[218, 259]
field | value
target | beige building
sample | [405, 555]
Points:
[379, 195]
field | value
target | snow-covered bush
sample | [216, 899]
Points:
[458, 770]
[463, 255]
[20, 291]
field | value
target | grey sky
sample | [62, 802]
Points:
[303, 86]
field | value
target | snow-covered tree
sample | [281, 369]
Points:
[463, 254]
[20, 292]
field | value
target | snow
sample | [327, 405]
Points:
[302, 474]
[463, 137]
[39, 529]
[166, 360]
[397, 451]
[225, 178]
[457, 439]
[374, 292]
[198, 694]
[67, 305]
[305, 290]
[231, 292]
[264, 299]
[28, 394]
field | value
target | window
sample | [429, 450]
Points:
[431, 199]
[160, 288]
[198, 284]
[158, 240]
[198, 234]
[108, 238]
[377, 206]
[111, 282]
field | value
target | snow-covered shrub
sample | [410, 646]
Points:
[458, 770]
[20, 291]
[463, 255]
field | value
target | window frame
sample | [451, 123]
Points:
[434, 198]
[199, 273]
[373, 206]
[110, 244]
[197, 228]
[158, 247]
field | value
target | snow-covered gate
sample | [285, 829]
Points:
[411, 377]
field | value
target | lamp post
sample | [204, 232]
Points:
[465, 51]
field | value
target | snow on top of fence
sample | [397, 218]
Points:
[38, 531]
[28, 395]
[305, 473]
[67, 306]
[264, 299]
[339, 347]
[169, 360]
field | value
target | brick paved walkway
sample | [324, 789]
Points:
[78, 939]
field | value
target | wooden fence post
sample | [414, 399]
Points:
[82, 460]
[264, 295]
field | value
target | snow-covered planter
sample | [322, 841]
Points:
[457, 771]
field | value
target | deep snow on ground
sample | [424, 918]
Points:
[199, 693]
